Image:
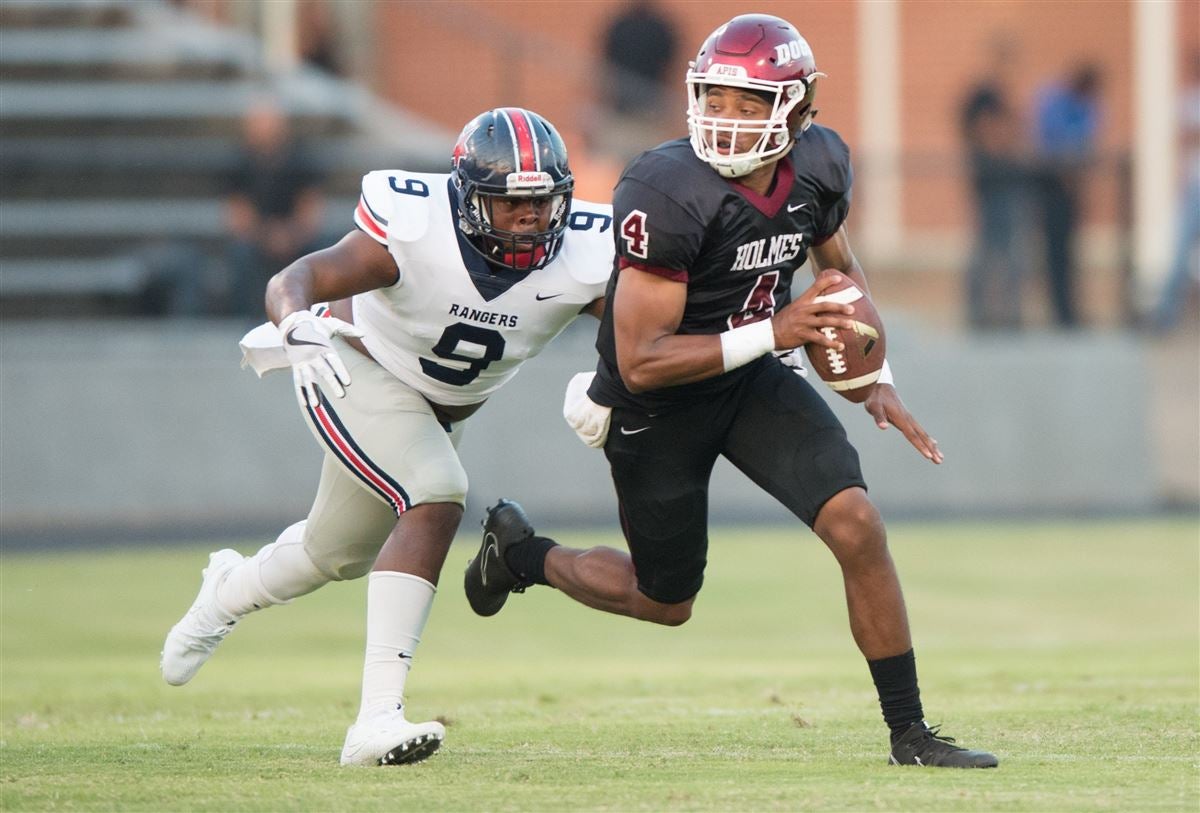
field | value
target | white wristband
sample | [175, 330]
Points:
[885, 374]
[744, 344]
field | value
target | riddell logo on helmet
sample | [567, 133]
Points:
[530, 180]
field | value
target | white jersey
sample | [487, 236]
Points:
[457, 336]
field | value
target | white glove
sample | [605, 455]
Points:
[314, 361]
[793, 359]
[588, 419]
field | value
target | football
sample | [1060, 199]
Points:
[851, 372]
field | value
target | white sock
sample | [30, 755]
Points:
[398, 606]
[278, 573]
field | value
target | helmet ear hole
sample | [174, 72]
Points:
[797, 116]
[483, 204]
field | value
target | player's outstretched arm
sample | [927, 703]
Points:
[647, 310]
[835, 254]
[650, 354]
[355, 264]
[883, 404]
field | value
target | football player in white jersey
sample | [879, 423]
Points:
[448, 284]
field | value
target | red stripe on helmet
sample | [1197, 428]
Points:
[523, 130]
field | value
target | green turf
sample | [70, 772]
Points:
[1069, 649]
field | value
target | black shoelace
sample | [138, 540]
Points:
[933, 733]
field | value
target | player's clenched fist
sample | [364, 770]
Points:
[306, 340]
[801, 321]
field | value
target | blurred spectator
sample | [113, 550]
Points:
[639, 45]
[1184, 275]
[318, 37]
[273, 211]
[1000, 183]
[1068, 118]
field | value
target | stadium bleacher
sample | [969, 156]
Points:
[119, 123]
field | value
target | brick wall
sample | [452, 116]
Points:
[451, 60]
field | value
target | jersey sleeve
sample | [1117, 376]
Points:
[654, 232]
[835, 184]
[591, 230]
[374, 209]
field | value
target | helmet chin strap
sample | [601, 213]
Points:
[738, 167]
[523, 260]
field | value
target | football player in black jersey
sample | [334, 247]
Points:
[712, 228]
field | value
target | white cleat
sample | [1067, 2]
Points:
[193, 640]
[389, 739]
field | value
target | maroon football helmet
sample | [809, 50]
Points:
[763, 54]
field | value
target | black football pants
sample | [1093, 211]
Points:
[772, 425]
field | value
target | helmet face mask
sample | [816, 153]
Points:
[481, 219]
[763, 55]
[504, 158]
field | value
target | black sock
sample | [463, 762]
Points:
[896, 681]
[528, 559]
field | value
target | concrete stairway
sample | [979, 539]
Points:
[119, 123]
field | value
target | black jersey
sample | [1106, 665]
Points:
[735, 250]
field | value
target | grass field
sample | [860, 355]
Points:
[1072, 650]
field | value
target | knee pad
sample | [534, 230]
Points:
[443, 483]
[342, 560]
[285, 569]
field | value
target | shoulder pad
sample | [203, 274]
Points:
[672, 164]
[821, 154]
[411, 193]
[395, 204]
[678, 182]
[591, 237]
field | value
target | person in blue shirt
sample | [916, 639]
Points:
[1067, 121]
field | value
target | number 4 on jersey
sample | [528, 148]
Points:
[760, 302]
[633, 232]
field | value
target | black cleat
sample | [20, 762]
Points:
[921, 745]
[415, 751]
[488, 580]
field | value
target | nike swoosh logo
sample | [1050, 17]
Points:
[625, 431]
[292, 340]
[797, 207]
[541, 298]
[488, 550]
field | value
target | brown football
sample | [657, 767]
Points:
[851, 372]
